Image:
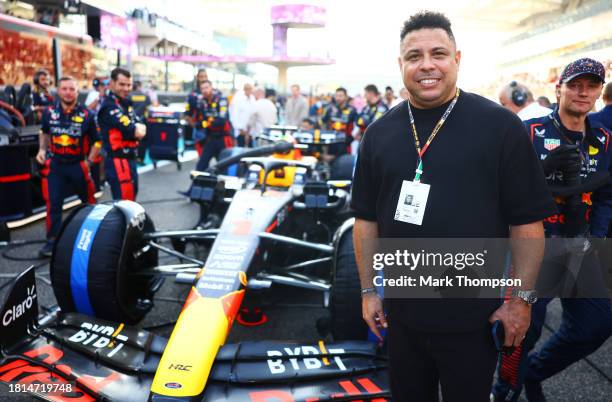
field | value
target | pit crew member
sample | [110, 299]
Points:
[69, 144]
[121, 133]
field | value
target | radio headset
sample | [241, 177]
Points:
[518, 95]
[38, 74]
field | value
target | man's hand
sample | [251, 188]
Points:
[141, 131]
[41, 156]
[564, 157]
[516, 316]
[373, 313]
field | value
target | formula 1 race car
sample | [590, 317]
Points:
[279, 222]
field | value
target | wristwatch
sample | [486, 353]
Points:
[366, 291]
[528, 296]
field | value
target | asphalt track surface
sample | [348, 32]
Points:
[292, 313]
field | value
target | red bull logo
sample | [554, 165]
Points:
[65, 140]
[338, 126]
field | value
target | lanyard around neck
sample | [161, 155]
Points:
[561, 130]
[417, 143]
[584, 156]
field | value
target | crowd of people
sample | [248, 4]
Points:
[241, 117]
[107, 129]
[530, 144]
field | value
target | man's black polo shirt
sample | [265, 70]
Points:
[484, 176]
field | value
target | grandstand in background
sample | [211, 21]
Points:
[87, 38]
[543, 36]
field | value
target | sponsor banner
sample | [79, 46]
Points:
[128, 348]
[266, 362]
[20, 310]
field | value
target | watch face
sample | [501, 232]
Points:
[529, 296]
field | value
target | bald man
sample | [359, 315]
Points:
[241, 109]
[518, 99]
[264, 113]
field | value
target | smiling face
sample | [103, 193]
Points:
[121, 86]
[578, 96]
[429, 63]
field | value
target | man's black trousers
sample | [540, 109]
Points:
[463, 363]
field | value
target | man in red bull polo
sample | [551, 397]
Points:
[68, 135]
[372, 111]
[213, 119]
[340, 116]
[121, 133]
[568, 142]
[192, 111]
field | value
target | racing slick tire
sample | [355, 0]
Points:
[342, 167]
[345, 297]
[95, 255]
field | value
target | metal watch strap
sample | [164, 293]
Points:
[366, 291]
[528, 296]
